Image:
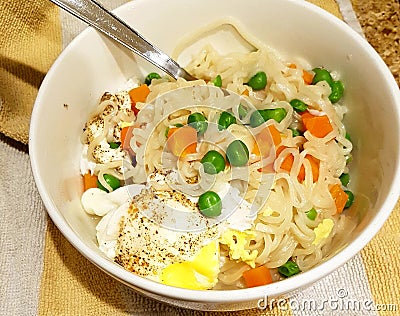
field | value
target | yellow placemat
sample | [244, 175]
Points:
[382, 261]
[30, 41]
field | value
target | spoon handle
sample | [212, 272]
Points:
[94, 14]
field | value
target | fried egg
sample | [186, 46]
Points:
[161, 235]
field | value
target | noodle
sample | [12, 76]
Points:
[282, 230]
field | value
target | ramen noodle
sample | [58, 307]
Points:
[273, 133]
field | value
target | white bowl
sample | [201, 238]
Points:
[92, 64]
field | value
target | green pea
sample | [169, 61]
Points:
[295, 132]
[242, 111]
[348, 137]
[225, 120]
[218, 81]
[337, 91]
[289, 269]
[349, 159]
[114, 145]
[150, 77]
[298, 105]
[260, 116]
[258, 81]
[210, 204]
[350, 198]
[322, 74]
[213, 162]
[112, 181]
[199, 122]
[345, 179]
[167, 129]
[312, 214]
[237, 153]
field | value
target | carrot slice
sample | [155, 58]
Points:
[339, 197]
[245, 92]
[319, 126]
[89, 181]
[257, 276]
[138, 94]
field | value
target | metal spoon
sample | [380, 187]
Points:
[94, 14]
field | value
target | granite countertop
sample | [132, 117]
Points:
[380, 21]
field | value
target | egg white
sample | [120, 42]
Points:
[146, 231]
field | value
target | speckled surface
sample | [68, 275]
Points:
[380, 20]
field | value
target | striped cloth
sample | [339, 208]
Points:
[42, 274]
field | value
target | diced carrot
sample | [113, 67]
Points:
[314, 162]
[138, 94]
[172, 130]
[287, 163]
[256, 149]
[124, 132]
[191, 149]
[245, 92]
[262, 145]
[307, 77]
[126, 135]
[89, 181]
[319, 126]
[306, 115]
[302, 174]
[276, 135]
[257, 276]
[339, 197]
[182, 141]
[279, 150]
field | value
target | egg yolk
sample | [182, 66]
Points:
[199, 274]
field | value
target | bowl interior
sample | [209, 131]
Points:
[93, 64]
